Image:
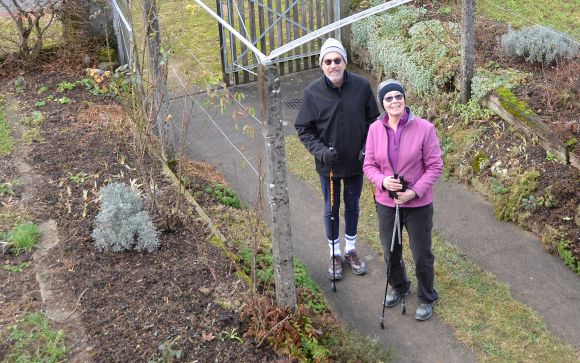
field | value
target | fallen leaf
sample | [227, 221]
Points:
[207, 337]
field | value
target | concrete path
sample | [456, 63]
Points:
[461, 217]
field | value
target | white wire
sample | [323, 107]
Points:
[532, 22]
[244, 26]
[215, 123]
[237, 66]
[223, 85]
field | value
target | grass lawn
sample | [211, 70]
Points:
[6, 142]
[193, 38]
[562, 15]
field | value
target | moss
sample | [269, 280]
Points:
[107, 54]
[479, 162]
[516, 107]
[506, 206]
[549, 197]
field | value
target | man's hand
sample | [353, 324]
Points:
[329, 157]
[361, 155]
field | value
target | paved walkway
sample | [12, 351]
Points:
[463, 218]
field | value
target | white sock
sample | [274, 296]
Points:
[350, 243]
[336, 247]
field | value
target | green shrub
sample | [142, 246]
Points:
[567, 256]
[538, 44]
[506, 207]
[224, 195]
[422, 54]
[6, 142]
[23, 238]
[485, 81]
[33, 340]
[6, 189]
[35, 119]
[65, 86]
[122, 224]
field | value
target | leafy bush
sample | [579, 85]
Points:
[567, 256]
[538, 44]
[122, 224]
[23, 238]
[422, 54]
[485, 81]
[506, 207]
[224, 195]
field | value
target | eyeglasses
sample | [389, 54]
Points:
[335, 60]
[395, 97]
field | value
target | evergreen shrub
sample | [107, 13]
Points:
[122, 224]
[538, 44]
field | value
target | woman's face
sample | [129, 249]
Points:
[394, 104]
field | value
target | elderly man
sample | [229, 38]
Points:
[332, 123]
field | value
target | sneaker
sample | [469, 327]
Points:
[394, 297]
[424, 311]
[357, 265]
[336, 272]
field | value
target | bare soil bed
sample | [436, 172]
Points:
[133, 306]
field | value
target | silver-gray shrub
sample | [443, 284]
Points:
[421, 54]
[538, 44]
[122, 224]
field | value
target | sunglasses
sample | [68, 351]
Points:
[395, 97]
[335, 60]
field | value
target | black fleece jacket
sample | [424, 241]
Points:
[338, 118]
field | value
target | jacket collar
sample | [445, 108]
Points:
[410, 116]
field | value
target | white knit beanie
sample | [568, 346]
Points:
[332, 45]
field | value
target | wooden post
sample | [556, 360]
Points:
[160, 104]
[277, 186]
[223, 50]
[467, 47]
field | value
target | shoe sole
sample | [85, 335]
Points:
[334, 278]
[424, 318]
[399, 301]
[360, 272]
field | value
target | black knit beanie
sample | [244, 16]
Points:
[388, 86]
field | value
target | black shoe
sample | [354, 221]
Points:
[394, 297]
[424, 311]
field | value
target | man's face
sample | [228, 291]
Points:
[334, 72]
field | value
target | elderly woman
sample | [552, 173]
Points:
[402, 147]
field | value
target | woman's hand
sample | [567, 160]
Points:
[392, 184]
[407, 195]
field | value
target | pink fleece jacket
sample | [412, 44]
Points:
[419, 161]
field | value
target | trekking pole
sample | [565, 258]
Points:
[399, 236]
[396, 227]
[332, 229]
